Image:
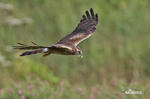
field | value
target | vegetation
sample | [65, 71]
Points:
[116, 57]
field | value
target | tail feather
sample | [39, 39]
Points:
[32, 52]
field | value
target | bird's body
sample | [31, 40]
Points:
[54, 49]
[68, 44]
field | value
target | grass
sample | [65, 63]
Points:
[35, 88]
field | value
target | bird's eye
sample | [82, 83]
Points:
[79, 52]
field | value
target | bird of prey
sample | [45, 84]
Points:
[68, 44]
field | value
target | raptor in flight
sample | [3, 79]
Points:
[68, 44]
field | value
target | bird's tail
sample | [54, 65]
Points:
[32, 52]
[35, 49]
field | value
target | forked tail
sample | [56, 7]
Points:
[35, 49]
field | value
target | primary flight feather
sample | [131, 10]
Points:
[68, 44]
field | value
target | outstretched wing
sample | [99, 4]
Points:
[21, 46]
[85, 29]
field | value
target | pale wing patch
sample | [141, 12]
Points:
[83, 39]
[79, 38]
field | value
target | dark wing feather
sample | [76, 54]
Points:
[85, 29]
[21, 46]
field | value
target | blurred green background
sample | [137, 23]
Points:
[115, 59]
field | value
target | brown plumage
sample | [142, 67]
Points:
[68, 44]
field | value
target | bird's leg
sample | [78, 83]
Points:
[46, 54]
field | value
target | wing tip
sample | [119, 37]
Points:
[96, 16]
[92, 12]
[84, 17]
[87, 13]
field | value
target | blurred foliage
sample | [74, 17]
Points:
[118, 50]
[38, 89]
[23, 67]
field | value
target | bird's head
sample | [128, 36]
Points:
[79, 52]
